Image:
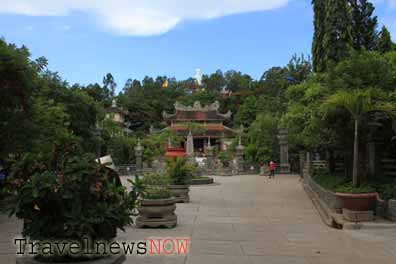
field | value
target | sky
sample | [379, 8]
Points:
[85, 39]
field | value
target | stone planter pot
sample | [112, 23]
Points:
[358, 201]
[180, 192]
[202, 181]
[392, 209]
[157, 213]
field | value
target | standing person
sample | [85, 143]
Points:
[272, 167]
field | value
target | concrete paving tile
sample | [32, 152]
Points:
[155, 259]
[239, 236]
[278, 260]
[208, 247]
[217, 259]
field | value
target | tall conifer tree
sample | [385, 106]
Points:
[318, 54]
[338, 37]
[385, 43]
[364, 24]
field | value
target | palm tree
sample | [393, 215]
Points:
[359, 103]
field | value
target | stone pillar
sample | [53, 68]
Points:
[139, 157]
[239, 157]
[190, 148]
[301, 157]
[308, 159]
[284, 151]
[209, 157]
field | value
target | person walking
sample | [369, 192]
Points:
[272, 167]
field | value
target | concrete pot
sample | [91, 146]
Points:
[180, 192]
[157, 213]
[201, 181]
[358, 201]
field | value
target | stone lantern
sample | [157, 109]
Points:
[284, 151]
[139, 156]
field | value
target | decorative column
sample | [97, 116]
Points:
[301, 157]
[139, 157]
[284, 151]
[190, 148]
[239, 156]
[209, 157]
[308, 161]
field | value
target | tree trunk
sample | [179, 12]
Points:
[355, 170]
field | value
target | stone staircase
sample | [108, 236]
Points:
[389, 167]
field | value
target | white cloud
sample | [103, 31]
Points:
[139, 17]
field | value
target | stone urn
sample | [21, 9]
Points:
[157, 213]
[202, 181]
[180, 192]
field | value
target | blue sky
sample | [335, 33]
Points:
[85, 39]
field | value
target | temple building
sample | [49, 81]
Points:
[204, 122]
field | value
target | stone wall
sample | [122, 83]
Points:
[391, 212]
[328, 197]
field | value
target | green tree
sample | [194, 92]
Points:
[318, 51]
[215, 81]
[262, 141]
[364, 25]
[109, 86]
[337, 40]
[385, 43]
[358, 103]
[247, 112]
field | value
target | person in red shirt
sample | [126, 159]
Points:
[272, 167]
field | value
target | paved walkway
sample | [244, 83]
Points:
[252, 219]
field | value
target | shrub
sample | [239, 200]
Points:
[327, 180]
[151, 186]
[67, 196]
[179, 171]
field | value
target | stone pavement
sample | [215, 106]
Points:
[251, 219]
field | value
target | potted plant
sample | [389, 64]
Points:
[201, 180]
[180, 174]
[362, 198]
[66, 196]
[156, 205]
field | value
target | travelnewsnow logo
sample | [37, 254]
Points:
[152, 246]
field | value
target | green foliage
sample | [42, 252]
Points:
[329, 181]
[318, 52]
[152, 186]
[386, 187]
[68, 196]
[247, 112]
[262, 141]
[224, 157]
[350, 188]
[179, 171]
[337, 39]
[155, 144]
[364, 25]
[385, 43]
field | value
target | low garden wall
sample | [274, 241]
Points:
[328, 197]
[386, 209]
